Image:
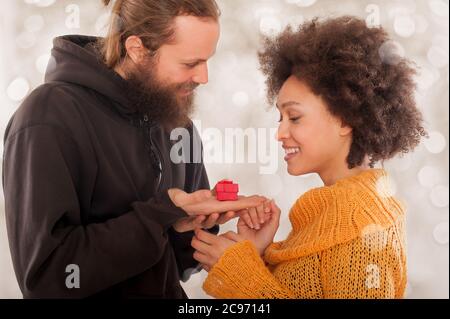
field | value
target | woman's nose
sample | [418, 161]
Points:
[283, 132]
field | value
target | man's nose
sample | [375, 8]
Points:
[201, 74]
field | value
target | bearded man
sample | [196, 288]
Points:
[95, 207]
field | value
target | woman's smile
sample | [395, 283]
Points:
[291, 152]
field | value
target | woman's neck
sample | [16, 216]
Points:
[333, 173]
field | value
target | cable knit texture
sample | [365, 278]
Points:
[347, 241]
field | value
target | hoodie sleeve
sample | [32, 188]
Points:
[46, 234]
[196, 179]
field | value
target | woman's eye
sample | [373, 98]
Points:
[294, 119]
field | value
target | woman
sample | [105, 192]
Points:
[344, 107]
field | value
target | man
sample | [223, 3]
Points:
[95, 207]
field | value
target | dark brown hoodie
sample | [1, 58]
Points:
[85, 183]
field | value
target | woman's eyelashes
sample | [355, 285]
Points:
[293, 119]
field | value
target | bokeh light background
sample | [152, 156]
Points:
[235, 98]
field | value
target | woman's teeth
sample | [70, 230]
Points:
[292, 150]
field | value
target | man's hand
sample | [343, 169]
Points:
[202, 221]
[203, 202]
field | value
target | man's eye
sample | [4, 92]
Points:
[294, 119]
[191, 65]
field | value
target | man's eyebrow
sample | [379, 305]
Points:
[199, 60]
[289, 103]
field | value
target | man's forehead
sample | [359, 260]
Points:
[194, 36]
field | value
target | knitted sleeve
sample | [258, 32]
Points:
[369, 268]
[242, 274]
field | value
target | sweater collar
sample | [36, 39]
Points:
[330, 215]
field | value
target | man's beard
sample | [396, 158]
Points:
[160, 102]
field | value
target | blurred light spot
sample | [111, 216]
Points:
[436, 142]
[391, 52]
[437, 56]
[400, 10]
[421, 23]
[26, 40]
[404, 26]
[45, 62]
[439, 7]
[439, 196]
[374, 237]
[402, 163]
[427, 77]
[44, 3]
[441, 41]
[18, 89]
[34, 23]
[440, 233]
[428, 176]
[240, 99]
[303, 3]
[270, 25]
[386, 187]
[261, 12]
[295, 21]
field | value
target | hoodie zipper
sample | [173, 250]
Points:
[154, 153]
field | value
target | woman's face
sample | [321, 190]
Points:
[314, 140]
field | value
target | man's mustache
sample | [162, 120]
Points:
[191, 86]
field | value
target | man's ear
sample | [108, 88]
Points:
[345, 129]
[135, 49]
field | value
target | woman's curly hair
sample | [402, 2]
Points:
[342, 60]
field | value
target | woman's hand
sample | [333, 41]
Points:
[254, 217]
[262, 237]
[209, 248]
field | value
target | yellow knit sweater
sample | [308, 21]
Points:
[347, 241]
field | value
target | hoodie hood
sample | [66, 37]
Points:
[78, 62]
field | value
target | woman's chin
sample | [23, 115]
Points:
[296, 171]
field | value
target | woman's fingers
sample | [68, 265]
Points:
[200, 246]
[202, 258]
[275, 214]
[275, 209]
[205, 236]
[260, 210]
[254, 217]
[245, 218]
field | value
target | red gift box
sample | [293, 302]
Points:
[226, 190]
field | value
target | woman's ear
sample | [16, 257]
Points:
[135, 49]
[345, 129]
